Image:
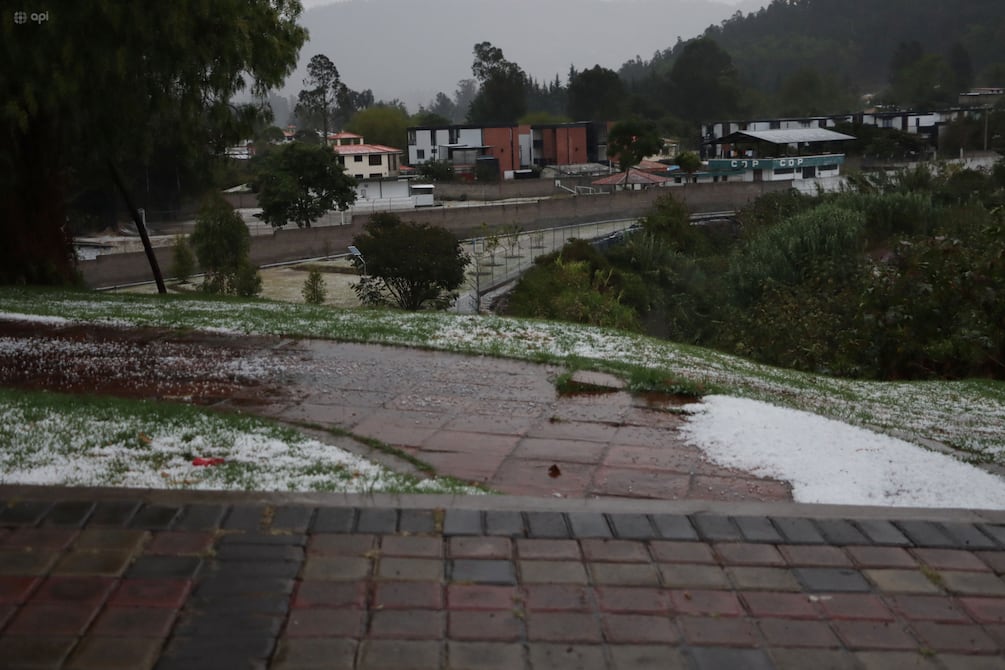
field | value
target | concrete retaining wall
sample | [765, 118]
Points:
[292, 244]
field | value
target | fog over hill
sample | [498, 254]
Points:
[411, 49]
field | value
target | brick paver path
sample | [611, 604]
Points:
[502, 423]
[182, 582]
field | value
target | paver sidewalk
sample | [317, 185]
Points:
[502, 423]
[99, 579]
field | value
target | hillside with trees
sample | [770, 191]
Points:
[820, 56]
[900, 278]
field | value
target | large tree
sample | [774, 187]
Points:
[705, 85]
[410, 264]
[631, 141]
[298, 183]
[381, 124]
[596, 94]
[319, 102]
[103, 81]
[502, 97]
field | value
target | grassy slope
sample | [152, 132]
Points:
[966, 415]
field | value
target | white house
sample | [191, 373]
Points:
[365, 161]
[778, 155]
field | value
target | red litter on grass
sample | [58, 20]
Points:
[208, 461]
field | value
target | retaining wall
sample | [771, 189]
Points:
[292, 244]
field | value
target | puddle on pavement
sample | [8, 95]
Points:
[662, 400]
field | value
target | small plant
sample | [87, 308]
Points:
[511, 236]
[314, 290]
[246, 280]
[183, 259]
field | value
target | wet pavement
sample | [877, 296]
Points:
[632, 550]
[127, 579]
[499, 423]
[503, 424]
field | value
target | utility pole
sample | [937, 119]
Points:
[141, 226]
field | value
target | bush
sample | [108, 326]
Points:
[182, 260]
[314, 290]
[788, 252]
[892, 214]
[410, 264]
[222, 242]
[437, 171]
[299, 183]
[245, 281]
[568, 290]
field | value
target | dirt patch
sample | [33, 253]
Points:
[197, 368]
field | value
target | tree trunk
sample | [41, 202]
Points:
[37, 247]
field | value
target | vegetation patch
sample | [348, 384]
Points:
[963, 413]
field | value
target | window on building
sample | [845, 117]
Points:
[376, 159]
[359, 176]
[411, 137]
[375, 175]
[776, 125]
[358, 159]
[420, 154]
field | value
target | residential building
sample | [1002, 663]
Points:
[569, 143]
[982, 97]
[928, 124]
[508, 149]
[365, 161]
[463, 146]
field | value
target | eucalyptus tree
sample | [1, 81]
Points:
[99, 82]
[325, 89]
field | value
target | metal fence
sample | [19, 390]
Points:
[499, 259]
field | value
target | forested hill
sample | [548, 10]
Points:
[854, 42]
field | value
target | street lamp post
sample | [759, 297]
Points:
[356, 252]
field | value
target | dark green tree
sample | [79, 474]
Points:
[705, 82]
[409, 264]
[962, 67]
[502, 96]
[182, 259]
[221, 242]
[689, 162]
[631, 141]
[320, 100]
[807, 92]
[381, 125]
[464, 95]
[436, 170]
[350, 103]
[298, 183]
[596, 94]
[441, 106]
[102, 81]
[429, 119]
[314, 290]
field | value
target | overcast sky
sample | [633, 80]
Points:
[412, 49]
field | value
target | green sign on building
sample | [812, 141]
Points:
[791, 162]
